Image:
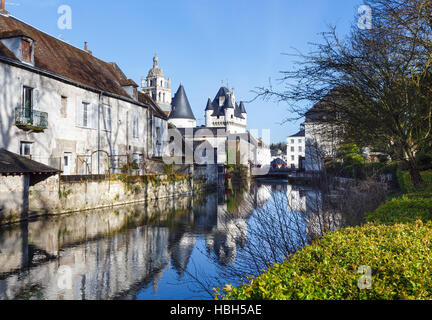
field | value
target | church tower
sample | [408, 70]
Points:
[157, 87]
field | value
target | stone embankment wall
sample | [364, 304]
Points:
[54, 196]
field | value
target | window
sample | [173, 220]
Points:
[300, 149]
[135, 127]
[137, 161]
[292, 158]
[300, 141]
[292, 141]
[27, 101]
[26, 50]
[85, 115]
[292, 149]
[63, 107]
[26, 149]
[107, 118]
[158, 136]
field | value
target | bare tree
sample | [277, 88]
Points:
[375, 84]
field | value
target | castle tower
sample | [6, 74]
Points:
[224, 112]
[157, 87]
[182, 115]
[208, 113]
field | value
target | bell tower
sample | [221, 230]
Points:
[157, 87]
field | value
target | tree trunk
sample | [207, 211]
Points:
[416, 178]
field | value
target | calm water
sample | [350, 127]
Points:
[169, 249]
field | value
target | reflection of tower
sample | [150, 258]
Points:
[296, 199]
[157, 87]
[182, 251]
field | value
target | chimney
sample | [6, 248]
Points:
[86, 48]
[2, 7]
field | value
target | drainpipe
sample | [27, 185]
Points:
[98, 130]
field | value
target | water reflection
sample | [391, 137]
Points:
[137, 251]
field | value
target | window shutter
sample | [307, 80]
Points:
[137, 126]
[107, 117]
[94, 116]
[35, 96]
[79, 113]
[134, 128]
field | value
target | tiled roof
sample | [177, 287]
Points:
[62, 59]
[13, 164]
[5, 52]
[146, 99]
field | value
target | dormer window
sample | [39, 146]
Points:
[19, 44]
[26, 50]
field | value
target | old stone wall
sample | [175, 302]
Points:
[54, 196]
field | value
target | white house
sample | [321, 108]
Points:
[296, 149]
[65, 108]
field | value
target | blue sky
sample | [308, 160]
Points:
[199, 42]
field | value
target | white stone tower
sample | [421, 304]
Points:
[157, 87]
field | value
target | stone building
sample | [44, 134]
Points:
[63, 107]
[321, 135]
[157, 87]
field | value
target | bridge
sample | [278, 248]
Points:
[284, 173]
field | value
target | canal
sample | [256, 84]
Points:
[169, 249]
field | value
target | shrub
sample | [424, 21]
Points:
[400, 257]
[409, 208]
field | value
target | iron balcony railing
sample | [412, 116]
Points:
[31, 119]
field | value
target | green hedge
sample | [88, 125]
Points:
[405, 184]
[400, 257]
[409, 208]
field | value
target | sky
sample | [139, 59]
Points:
[200, 43]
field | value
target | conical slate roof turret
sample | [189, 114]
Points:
[228, 103]
[181, 108]
[223, 91]
[242, 107]
[209, 105]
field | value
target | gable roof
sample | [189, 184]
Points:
[181, 108]
[60, 58]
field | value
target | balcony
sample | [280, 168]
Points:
[31, 119]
